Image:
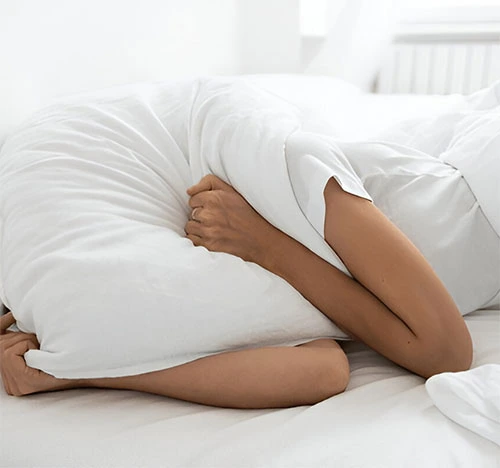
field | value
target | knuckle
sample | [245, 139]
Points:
[210, 199]
[195, 240]
[196, 200]
[206, 220]
[218, 196]
[216, 232]
[212, 232]
[211, 245]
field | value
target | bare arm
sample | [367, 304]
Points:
[353, 308]
[268, 377]
[396, 304]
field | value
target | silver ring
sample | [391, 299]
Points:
[193, 214]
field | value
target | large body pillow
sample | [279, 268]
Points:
[94, 258]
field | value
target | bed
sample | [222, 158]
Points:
[385, 418]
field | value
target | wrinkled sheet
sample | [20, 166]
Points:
[385, 419]
[470, 398]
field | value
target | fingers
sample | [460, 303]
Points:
[200, 200]
[194, 227]
[22, 346]
[196, 240]
[194, 213]
[13, 368]
[15, 337]
[198, 215]
[18, 375]
[5, 322]
[209, 182]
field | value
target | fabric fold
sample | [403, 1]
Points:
[470, 398]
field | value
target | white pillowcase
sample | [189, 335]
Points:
[94, 255]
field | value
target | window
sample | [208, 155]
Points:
[451, 11]
[313, 17]
[482, 14]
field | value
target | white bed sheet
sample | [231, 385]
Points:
[384, 419]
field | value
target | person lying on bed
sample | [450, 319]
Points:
[394, 303]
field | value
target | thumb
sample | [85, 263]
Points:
[6, 321]
[209, 182]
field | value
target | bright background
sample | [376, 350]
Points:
[52, 48]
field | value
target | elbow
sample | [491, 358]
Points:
[336, 379]
[333, 379]
[450, 354]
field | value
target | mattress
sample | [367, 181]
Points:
[384, 419]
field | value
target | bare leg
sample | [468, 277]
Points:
[255, 378]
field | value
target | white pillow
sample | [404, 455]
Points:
[323, 101]
[93, 206]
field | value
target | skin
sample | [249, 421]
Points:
[395, 303]
[255, 378]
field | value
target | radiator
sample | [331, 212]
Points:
[440, 65]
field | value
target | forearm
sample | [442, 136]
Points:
[397, 303]
[252, 378]
[346, 302]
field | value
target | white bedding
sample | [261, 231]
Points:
[114, 169]
[385, 418]
[470, 398]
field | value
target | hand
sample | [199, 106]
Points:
[19, 379]
[223, 221]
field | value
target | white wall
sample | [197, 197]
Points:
[269, 36]
[50, 48]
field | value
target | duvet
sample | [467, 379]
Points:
[93, 255]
